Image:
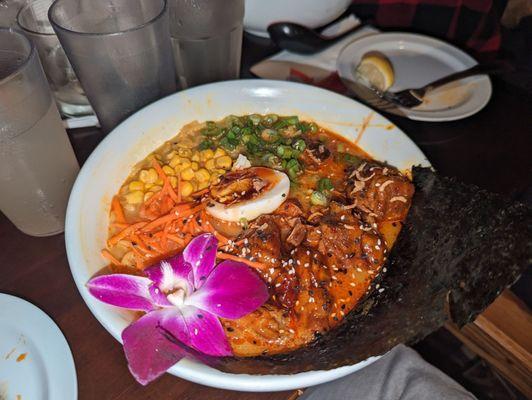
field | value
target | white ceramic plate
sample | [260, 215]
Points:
[35, 360]
[109, 165]
[418, 60]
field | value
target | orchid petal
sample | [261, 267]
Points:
[201, 255]
[121, 290]
[231, 291]
[148, 348]
[206, 333]
[170, 274]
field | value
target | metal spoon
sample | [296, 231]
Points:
[301, 39]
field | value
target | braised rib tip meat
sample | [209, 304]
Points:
[316, 274]
[380, 192]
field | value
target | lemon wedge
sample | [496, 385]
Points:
[377, 70]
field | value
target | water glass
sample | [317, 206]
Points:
[37, 164]
[33, 20]
[206, 39]
[9, 10]
[120, 51]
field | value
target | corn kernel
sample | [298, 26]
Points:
[203, 185]
[195, 156]
[187, 174]
[194, 165]
[219, 152]
[219, 171]
[171, 155]
[148, 175]
[184, 152]
[202, 175]
[224, 162]
[173, 181]
[159, 182]
[206, 155]
[135, 197]
[187, 189]
[215, 179]
[135, 185]
[155, 188]
[176, 160]
[148, 195]
[210, 164]
[168, 170]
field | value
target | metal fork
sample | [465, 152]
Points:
[409, 98]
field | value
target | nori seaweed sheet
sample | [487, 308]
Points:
[459, 248]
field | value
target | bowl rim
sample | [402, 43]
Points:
[186, 369]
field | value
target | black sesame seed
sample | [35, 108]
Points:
[343, 307]
[200, 316]
[229, 329]
[350, 293]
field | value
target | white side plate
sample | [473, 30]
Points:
[35, 360]
[418, 60]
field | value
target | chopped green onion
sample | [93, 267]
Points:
[341, 148]
[269, 135]
[292, 120]
[255, 119]
[318, 199]
[313, 127]
[300, 145]
[270, 119]
[325, 184]
[206, 144]
[243, 222]
[285, 152]
[349, 158]
[271, 160]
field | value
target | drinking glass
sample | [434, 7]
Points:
[37, 163]
[8, 12]
[120, 51]
[206, 39]
[33, 20]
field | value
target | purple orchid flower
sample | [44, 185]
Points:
[183, 297]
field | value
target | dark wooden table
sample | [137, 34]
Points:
[491, 149]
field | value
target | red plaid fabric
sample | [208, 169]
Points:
[473, 24]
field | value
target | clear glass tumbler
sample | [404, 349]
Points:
[120, 51]
[207, 39]
[37, 164]
[70, 97]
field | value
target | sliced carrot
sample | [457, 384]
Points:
[125, 233]
[167, 187]
[254, 264]
[107, 254]
[200, 193]
[179, 197]
[117, 210]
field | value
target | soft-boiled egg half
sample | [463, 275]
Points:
[248, 194]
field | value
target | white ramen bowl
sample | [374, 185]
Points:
[130, 142]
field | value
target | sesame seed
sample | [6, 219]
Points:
[311, 300]
[291, 330]
[352, 284]
[277, 284]
[306, 265]
[359, 270]
[195, 331]
[381, 290]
